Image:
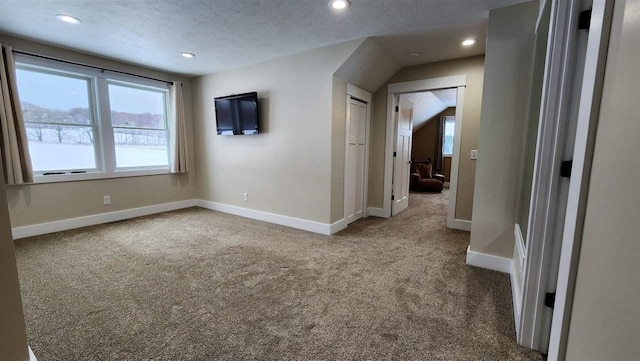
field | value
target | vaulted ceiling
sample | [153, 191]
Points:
[227, 34]
[426, 105]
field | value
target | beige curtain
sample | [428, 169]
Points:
[14, 149]
[177, 131]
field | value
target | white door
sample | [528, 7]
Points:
[402, 156]
[356, 137]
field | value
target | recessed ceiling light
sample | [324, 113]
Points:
[415, 53]
[469, 42]
[339, 4]
[68, 19]
[188, 55]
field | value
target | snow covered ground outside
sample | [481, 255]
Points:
[53, 156]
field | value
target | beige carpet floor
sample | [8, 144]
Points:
[201, 285]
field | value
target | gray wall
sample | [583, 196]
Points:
[605, 320]
[508, 65]
[13, 337]
[287, 169]
[39, 203]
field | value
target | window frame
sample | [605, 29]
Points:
[104, 144]
[447, 119]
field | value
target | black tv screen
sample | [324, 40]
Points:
[237, 114]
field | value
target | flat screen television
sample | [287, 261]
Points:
[237, 114]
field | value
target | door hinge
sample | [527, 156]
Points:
[549, 299]
[565, 168]
[395, 154]
[393, 198]
[584, 20]
[397, 108]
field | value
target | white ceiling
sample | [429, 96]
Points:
[227, 34]
[427, 105]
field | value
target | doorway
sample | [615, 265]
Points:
[426, 133]
[397, 168]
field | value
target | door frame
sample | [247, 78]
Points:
[353, 92]
[393, 89]
[588, 114]
[551, 222]
[561, 75]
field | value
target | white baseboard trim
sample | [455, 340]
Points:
[488, 261]
[461, 224]
[298, 223]
[338, 226]
[377, 212]
[32, 357]
[515, 296]
[72, 223]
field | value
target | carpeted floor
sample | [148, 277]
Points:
[201, 285]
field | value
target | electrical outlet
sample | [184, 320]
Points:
[474, 154]
[246, 197]
[106, 200]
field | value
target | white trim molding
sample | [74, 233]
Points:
[516, 298]
[358, 93]
[460, 224]
[377, 212]
[79, 222]
[488, 261]
[455, 162]
[444, 82]
[338, 226]
[298, 223]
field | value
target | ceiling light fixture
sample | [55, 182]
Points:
[339, 4]
[68, 19]
[469, 42]
[188, 55]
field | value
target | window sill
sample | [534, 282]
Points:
[58, 178]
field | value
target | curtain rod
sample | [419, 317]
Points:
[90, 66]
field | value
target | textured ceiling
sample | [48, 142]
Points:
[227, 34]
[426, 105]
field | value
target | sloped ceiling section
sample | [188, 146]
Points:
[230, 34]
[369, 67]
[427, 105]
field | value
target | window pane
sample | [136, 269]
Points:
[53, 98]
[449, 131]
[136, 108]
[140, 148]
[56, 147]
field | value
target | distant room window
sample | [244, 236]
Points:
[449, 131]
[82, 122]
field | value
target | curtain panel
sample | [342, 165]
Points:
[14, 149]
[177, 132]
[439, 161]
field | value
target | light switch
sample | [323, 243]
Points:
[474, 154]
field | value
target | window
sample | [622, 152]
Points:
[139, 126]
[449, 131]
[83, 124]
[59, 120]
